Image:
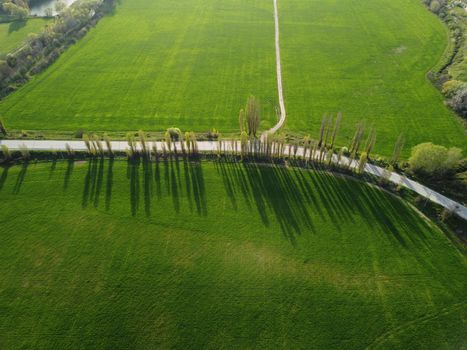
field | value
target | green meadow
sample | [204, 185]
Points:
[156, 64]
[368, 59]
[191, 64]
[110, 254]
[13, 34]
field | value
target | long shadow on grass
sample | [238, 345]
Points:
[20, 178]
[69, 170]
[295, 198]
[133, 175]
[109, 184]
[274, 192]
[181, 179]
[93, 183]
[4, 177]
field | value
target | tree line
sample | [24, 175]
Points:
[42, 49]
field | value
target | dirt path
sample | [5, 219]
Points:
[280, 91]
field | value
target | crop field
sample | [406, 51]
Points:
[367, 59]
[154, 65]
[111, 254]
[12, 34]
[157, 64]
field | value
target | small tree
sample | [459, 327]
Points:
[142, 141]
[69, 151]
[398, 146]
[336, 128]
[108, 143]
[23, 149]
[434, 160]
[6, 153]
[87, 142]
[242, 121]
[252, 113]
[2, 128]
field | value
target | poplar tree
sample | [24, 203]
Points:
[336, 128]
[398, 146]
[108, 144]
[6, 153]
[2, 128]
[142, 141]
[252, 112]
[370, 142]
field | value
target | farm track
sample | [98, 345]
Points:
[213, 146]
[280, 91]
[420, 320]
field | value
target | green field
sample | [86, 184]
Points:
[367, 59]
[219, 255]
[157, 64]
[13, 34]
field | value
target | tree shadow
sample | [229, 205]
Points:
[133, 176]
[16, 25]
[198, 187]
[93, 183]
[147, 185]
[69, 170]
[20, 178]
[4, 177]
[109, 184]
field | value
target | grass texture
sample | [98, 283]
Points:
[219, 255]
[154, 65]
[13, 34]
[367, 59]
[158, 64]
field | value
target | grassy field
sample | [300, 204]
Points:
[14, 33]
[367, 59]
[183, 255]
[156, 64]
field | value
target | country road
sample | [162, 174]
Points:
[280, 91]
[229, 146]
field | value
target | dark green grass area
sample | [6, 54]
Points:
[13, 34]
[209, 255]
[367, 59]
[154, 65]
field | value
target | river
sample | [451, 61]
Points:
[42, 8]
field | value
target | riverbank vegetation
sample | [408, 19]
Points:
[43, 48]
[450, 75]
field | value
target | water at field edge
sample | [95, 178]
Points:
[42, 8]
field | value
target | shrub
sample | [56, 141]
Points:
[79, 133]
[174, 133]
[435, 6]
[458, 102]
[6, 153]
[434, 160]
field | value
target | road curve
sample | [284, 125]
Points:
[280, 91]
[234, 146]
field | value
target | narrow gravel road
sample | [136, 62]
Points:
[212, 146]
[280, 91]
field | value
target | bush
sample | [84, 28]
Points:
[434, 160]
[79, 133]
[435, 6]
[458, 102]
[174, 133]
